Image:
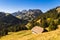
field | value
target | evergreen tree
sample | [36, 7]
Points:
[52, 26]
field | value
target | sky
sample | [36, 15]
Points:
[11, 6]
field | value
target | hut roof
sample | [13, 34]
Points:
[37, 29]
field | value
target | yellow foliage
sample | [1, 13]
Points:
[56, 21]
[28, 25]
[47, 28]
[48, 19]
[38, 21]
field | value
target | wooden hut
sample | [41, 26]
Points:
[37, 30]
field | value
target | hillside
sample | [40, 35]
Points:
[10, 23]
[27, 35]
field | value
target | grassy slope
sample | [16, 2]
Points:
[27, 35]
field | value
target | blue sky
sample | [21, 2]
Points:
[15, 5]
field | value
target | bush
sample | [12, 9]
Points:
[52, 26]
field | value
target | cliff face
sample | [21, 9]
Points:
[28, 15]
[58, 9]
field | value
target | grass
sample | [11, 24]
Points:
[27, 35]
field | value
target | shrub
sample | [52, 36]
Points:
[52, 26]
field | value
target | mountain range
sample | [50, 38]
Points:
[18, 20]
[28, 15]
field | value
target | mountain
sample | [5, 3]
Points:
[9, 23]
[28, 15]
[49, 19]
[2, 14]
[52, 13]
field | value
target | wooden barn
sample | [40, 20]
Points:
[37, 30]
